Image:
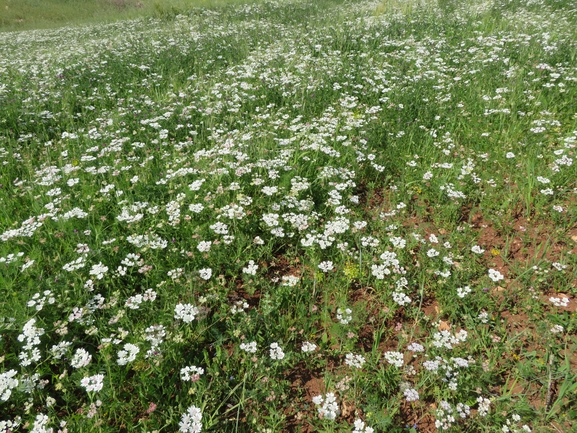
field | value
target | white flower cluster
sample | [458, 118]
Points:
[449, 369]
[344, 316]
[155, 335]
[327, 406]
[446, 340]
[250, 269]
[290, 280]
[463, 291]
[557, 329]
[560, 301]
[79, 263]
[205, 273]
[38, 302]
[299, 184]
[191, 373]
[484, 406]
[395, 358]
[219, 228]
[398, 242]
[510, 427]
[276, 351]
[204, 246]
[444, 415]
[9, 426]
[248, 347]
[308, 347]
[185, 312]
[415, 347]
[239, 307]
[232, 211]
[134, 301]
[40, 424]
[477, 249]
[368, 241]
[269, 190]
[463, 410]
[175, 274]
[353, 360]
[81, 358]
[389, 259]
[60, 349]
[190, 422]
[196, 207]
[451, 191]
[11, 258]
[131, 260]
[98, 270]
[131, 214]
[7, 384]
[195, 186]
[73, 213]
[128, 354]
[401, 298]
[173, 212]
[411, 394]
[26, 230]
[31, 338]
[326, 266]
[151, 241]
[361, 427]
[93, 383]
[495, 276]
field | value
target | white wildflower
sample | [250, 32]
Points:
[185, 312]
[276, 351]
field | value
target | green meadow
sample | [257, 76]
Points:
[36, 14]
[288, 216]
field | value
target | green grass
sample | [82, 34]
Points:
[38, 14]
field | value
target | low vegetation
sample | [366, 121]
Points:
[292, 216]
[36, 14]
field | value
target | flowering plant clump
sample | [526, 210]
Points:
[361, 427]
[308, 215]
[185, 312]
[190, 422]
[191, 374]
[7, 384]
[128, 354]
[307, 346]
[276, 352]
[495, 276]
[394, 358]
[93, 383]
[344, 316]
[327, 406]
[353, 360]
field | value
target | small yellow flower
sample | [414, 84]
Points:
[351, 270]
[141, 366]
[495, 252]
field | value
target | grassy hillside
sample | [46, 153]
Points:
[292, 216]
[35, 14]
